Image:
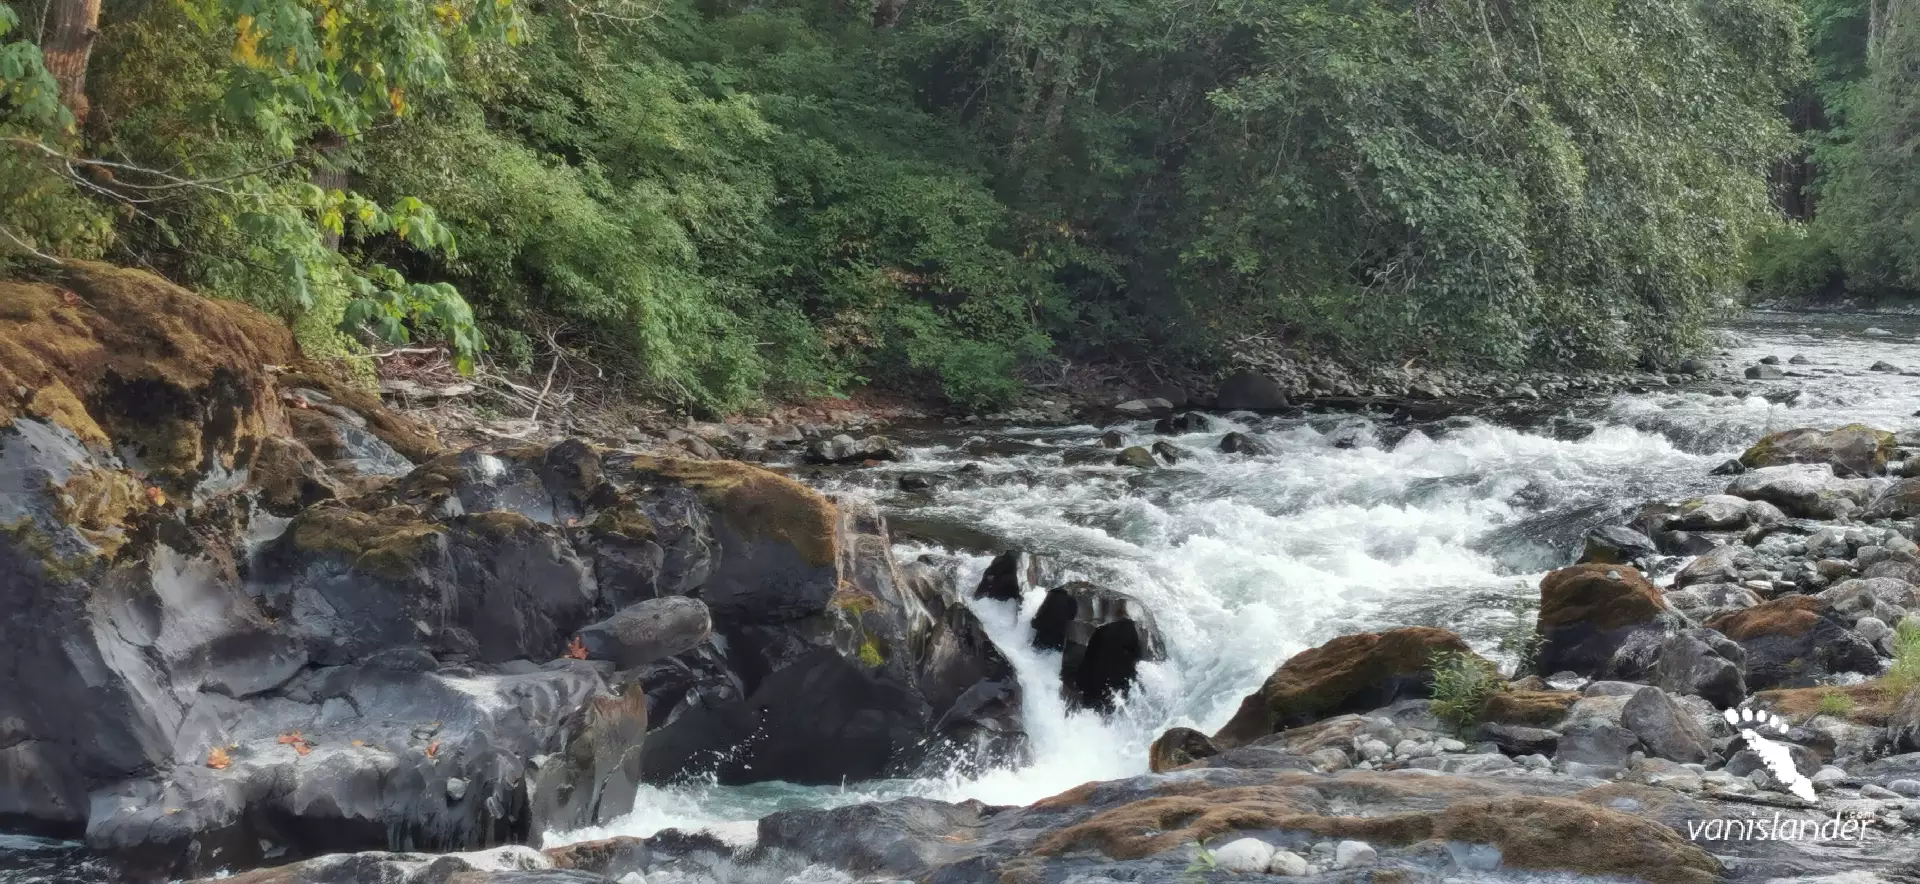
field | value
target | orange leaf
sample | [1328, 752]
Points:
[68, 298]
[358, 743]
[156, 497]
[301, 748]
[290, 737]
[217, 758]
[577, 649]
[433, 748]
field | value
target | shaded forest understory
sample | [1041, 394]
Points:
[726, 202]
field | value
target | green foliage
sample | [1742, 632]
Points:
[728, 201]
[1521, 638]
[1904, 674]
[1835, 704]
[1461, 685]
[1794, 261]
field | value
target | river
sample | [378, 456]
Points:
[1351, 522]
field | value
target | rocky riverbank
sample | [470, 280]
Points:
[255, 622]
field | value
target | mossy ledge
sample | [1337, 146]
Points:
[757, 503]
[388, 542]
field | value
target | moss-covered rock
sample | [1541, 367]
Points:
[1587, 612]
[1527, 708]
[1795, 641]
[1352, 673]
[123, 358]
[1852, 450]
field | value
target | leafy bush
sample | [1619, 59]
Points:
[1461, 685]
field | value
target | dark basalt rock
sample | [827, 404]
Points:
[1103, 637]
[1250, 391]
[1616, 545]
[1241, 443]
[1587, 612]
[651, 630]
[1795, 641]
[1008, 577]
[1183, 423]
[845, 449]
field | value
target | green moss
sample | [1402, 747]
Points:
[758, 504]
[389, 543]
[99, 503]
[870, 655]
[496, 525]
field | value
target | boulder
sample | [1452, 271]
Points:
[1587, 612]
[1764, 373]
[1136, 456]
[1103, 637]
[1794, 642]
[969, 686]
[1183, 423]
[1887, 599]
[594, 776]
[1899, 500]
[1807, 490]
[648, 631]
[1351, 673]
[1179, 746]
[1702, 663]
[1008, 577]
[844, 449]
[1722, 564]
[1616, 545]
[1144, 408]
[1666, 730]
[1852, 450]
[1240, 443]
[1250, 391]
[1514, 739]
[1715, 512]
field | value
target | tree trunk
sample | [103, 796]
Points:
[71, 27]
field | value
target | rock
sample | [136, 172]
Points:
[844, 449]
[1616, 545]
[1715, 512]
[1250, 391]
[1241, 443]
[1721, 564]
[1664, 728]
[1899, 500]
[1354, 855]
[1183, 423]
[1179, 746]
[969, 686]
[1852, 450]
[1169, 452]
[1701, 601]
[1702, 663]
[648, 631]
[1769, 360]
[1884, 598]
[1351, 673]
[1008, 577]
[1525, 707]
[1809, 491]
[1513, 739]
[1793, 641]
[1103, 637]
[1144, 408]
[1286, 863]
[1113, 439]
[596, 773]
[1587, 612]
[1764, 373]
[1244, 856]
[1137, 457]
[1694, 366]
[1884, 366]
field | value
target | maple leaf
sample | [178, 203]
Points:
[433, 748]
[577, 649]
[302, 748]
[291, 737]
[217, 758]
[156, 497]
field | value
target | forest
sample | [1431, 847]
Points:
[728, 202]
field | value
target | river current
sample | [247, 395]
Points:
[1351, 522]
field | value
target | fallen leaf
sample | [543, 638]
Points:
[68, 298]
[433, 748]
[358, 743]
[577, 649]
[291, 737]
[156, 497]
[302, 748]
[217, 758]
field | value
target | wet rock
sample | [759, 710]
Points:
[1144, 408]
[1136, 456]
[1514, 739]
[1183, 423]
[1794, 642]
[596, 773]
[1103, 637]
[1715, 512]
[1852, 450]
[1169, 452]
[1241, 443]
[1809, 491]
[1250, 391]
[1533, 708]
[1764, 373]
[1113, 439]
[1179, 746]
[648, 631]
[1588, 611]
[1008, 577]
[844, 449]
[1702, 663]
[1348, 674]
[1664, 728]
[1884, 366]
[1616, 545]
[968, 684]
